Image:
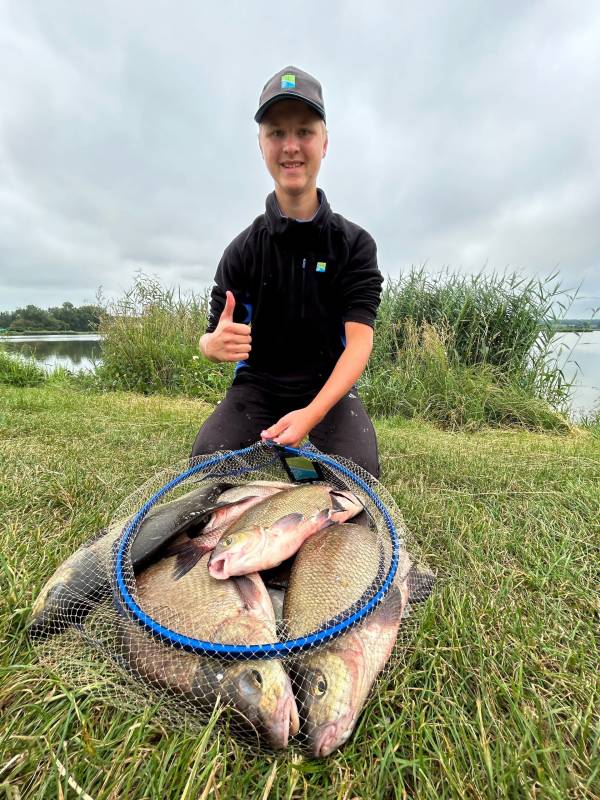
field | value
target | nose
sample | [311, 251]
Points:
[290, 143]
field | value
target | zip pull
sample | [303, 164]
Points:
[303, 263]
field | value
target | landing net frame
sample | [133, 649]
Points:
[123, 586]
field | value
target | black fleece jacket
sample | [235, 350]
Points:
[297, 283]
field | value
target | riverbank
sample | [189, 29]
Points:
[497, 697]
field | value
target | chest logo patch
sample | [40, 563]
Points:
[321, 266]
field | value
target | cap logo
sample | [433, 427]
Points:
[321, 266]
[288, 81]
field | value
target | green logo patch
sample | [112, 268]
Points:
[321, 266]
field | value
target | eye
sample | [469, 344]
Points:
[228, 541]
[320, 685]
[256, 677]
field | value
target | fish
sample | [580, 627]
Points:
[233, 502]
[83, 580]
[233, 611]
[331, 573]
[277, 597]
[230, 506]
[333, 684]
[274, 529]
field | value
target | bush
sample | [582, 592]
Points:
[498, 321]
[462, 351]
[151, 344]
[19, 371]
[427, 380]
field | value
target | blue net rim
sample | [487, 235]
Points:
[283, 649]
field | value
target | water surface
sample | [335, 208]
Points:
[77, 353]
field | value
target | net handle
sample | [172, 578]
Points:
[129, 607]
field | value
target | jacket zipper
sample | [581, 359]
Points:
[302, 309]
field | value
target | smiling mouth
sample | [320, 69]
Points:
[292, 164]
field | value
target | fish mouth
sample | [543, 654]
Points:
[286, 723]
[326, 740]
[218, 567]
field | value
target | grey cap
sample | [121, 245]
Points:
[291, 83]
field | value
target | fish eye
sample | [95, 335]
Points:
[228, 541]
[257, 677]
[320, 685]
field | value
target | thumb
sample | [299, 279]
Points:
[275, 429]
[227, 313]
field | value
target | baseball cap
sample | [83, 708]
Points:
[288, 84]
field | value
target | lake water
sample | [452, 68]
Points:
[578, 354]
[75, 352]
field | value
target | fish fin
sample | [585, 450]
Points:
[390, 609]
[287, 523]
[229, 503]
[248, 590]
[420, 584]
[323, 518]
[335, 503]
[188, 555]
[207, 513]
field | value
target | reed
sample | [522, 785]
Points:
[151, 343]
[458, 350]
[20, 371]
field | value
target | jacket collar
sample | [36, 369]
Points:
[280, 225]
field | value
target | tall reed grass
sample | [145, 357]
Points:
[465, 349]
[150, 343]
[458, 350]
[20, 371]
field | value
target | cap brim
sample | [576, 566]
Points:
[287, 96]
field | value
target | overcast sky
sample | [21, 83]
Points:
[462, 134]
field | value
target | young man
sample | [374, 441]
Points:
[295, 299]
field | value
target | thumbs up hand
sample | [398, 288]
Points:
[230, 341]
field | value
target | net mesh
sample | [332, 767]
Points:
[221, 587]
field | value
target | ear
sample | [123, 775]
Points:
[260, 145]
[325, 143]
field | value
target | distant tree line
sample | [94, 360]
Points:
[59, 318]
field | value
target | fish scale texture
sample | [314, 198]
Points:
[203, 562]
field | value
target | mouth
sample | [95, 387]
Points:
[217, 567]
[326, 740]
[292, 164]
[287, 724]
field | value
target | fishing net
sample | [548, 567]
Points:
[286, 654]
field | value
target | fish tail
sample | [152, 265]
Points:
[420, 584]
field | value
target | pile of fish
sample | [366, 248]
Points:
[249, 564]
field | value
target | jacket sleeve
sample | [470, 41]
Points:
[361, 282]
[230, 276]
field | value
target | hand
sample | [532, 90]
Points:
[292, 428]
[230, 341]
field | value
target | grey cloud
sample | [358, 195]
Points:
[461, 135]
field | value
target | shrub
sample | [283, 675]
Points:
[151, 343]
[20, 371]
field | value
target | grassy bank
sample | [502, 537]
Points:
[498, 696]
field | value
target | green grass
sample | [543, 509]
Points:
[497, 695]
[20, 371]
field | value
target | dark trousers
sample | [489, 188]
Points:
[246, 410]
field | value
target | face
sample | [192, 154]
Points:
[293, 142]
